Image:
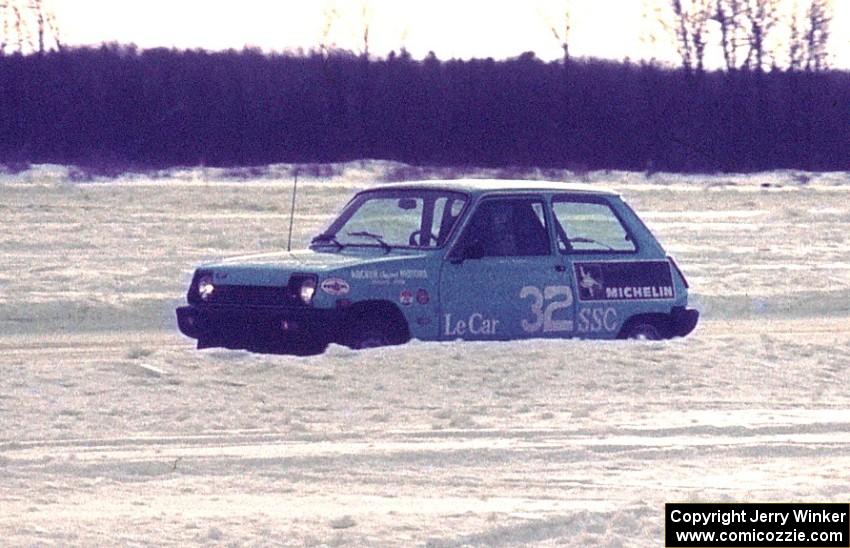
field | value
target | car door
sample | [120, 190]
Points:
[602, 258]
[502, 279]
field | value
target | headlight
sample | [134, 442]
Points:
[307, 289]
[205, 288]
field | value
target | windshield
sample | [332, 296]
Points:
[396, 218]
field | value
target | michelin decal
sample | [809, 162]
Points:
[624, 281]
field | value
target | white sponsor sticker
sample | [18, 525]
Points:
[388, 276]
[335, 286]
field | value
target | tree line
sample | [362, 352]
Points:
[750, 34]
[118, 106]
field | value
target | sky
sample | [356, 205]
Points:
[614, 29]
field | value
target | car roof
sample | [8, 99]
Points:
[480, 186]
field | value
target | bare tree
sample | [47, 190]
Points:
[809, 34]
[654, 25]
[403, 35]
[561, 29]
[365, 25]
[796, 42]
[330, 16]
[4, 37]
[23, 19]
[54, 29]
[699, 29]
[690, 28]
[38, 10]
[358, 15]
[761, 17]
[819, 17]
[21, 29]
[728, 14]
[683, 36]
[746, 29]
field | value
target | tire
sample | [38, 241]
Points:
[376, 329]
[373, 337]
[645, 331]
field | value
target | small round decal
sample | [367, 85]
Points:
[422, 296]
[335, 286]
[406, 297]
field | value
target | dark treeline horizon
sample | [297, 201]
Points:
[118, 106]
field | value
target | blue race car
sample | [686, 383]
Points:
[444, 260]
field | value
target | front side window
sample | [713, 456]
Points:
[506, 227]
[589, 225]
[396, 218]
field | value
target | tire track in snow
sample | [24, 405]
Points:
[276, 445]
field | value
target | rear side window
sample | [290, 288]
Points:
[589, 225]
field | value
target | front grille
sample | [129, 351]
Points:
[250, 295]
[253, 295]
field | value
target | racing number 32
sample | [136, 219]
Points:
[554, 297]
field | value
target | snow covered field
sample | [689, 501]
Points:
[115, 430]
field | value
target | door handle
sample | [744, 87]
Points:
[560, 268]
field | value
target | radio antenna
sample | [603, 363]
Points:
[292, 211]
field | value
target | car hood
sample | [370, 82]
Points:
[275, 268]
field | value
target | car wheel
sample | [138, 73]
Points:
[374, 326]
[645, 331]
[374, 330]
[369, 335]
[372, 338]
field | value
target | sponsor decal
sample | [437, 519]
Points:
[475, 324]
[413, 274]
[624, 281]
[422, 296]
[381, 277]
[406, 297]
[597, 319]
[335, 286]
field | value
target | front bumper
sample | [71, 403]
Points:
[260, 329]
[683, 321]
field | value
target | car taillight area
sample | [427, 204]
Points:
[679, 271]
